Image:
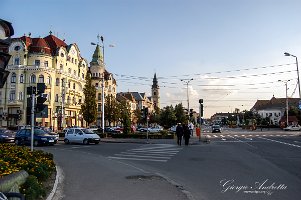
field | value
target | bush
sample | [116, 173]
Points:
[38, 164]
[32, 189]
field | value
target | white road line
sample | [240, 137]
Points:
[143, 156]
[123, 158]
[147, 154]
[281, 142]
[244, 142]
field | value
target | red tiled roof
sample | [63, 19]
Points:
[48, 45]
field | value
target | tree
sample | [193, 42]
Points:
[111, 109]
[180, 114]
[89, 107]
[167, 116]
[125, 116]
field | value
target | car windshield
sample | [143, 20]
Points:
[39, 132]
[215, 126]
[87, 131]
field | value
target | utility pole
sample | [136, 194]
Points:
[187, 81]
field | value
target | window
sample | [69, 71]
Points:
[74, 86]
[74, 72]
[75, 61]
[96, 85]
[17, 61]
[79, 101]
[37, 63]
[61, 67]
[83, 75]
[41, 79]
[12, 95]
[72, 60]
[48, 81]
[46, 63]
[69, 84]
[99, 107]
[21, 96]
[69, 70]
[33, 78]
[56, 98]
[62, 55]
[68, 100]
[57, 82]
[13, 78]
[99, 96]
[21, 78]
[74, 100]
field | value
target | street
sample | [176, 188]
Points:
[234, 165]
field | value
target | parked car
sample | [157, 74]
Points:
[81, 135]
[216, 128]
[23, 137]
[173, 128]
[7, 136]
[155, 129]
[293, 128]
[50, 132]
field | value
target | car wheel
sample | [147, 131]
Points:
[85, 141]
[35, 143]
[17, 142]
[66, 141]
[96, 142]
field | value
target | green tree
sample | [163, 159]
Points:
[125, 116]
[89, 107]
[111, 109]
[180, 114]
[167, 117]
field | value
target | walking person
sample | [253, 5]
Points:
[191, 127]
[179, 132]
[186, 134]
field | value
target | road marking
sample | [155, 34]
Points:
[244, 142]
[150, 152]
[294, 145]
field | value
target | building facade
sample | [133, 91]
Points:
[46, 60]
[104, 82]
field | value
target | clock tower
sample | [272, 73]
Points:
[156, 92]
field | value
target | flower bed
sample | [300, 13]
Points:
[38, 164]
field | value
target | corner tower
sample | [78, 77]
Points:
[156, 92]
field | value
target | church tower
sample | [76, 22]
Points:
[156, 92]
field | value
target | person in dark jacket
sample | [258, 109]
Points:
[179, 132]
[186, 134]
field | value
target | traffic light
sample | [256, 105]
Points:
[41, 108]
[190, 112]
[6, 32]
[202, 110]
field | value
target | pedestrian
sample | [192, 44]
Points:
[186, 134]
[191, 127]
[179, 132]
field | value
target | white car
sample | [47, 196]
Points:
[155, 129]
[293, 128]
[81, 135]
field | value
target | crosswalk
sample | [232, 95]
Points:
[223, 136]
[149, 152]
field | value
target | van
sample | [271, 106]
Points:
[81, 135]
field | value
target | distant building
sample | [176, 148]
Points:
[155, 93]
[274, 108]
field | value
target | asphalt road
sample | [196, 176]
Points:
[234, 165]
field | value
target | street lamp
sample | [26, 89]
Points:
[187, 81]
[286, 99]
[288, 54]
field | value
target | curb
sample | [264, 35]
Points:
[53, 191]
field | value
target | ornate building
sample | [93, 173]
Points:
[46, 60]
[103, 80]
[156, 93]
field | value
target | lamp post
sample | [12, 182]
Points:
[288, 54]
[286, 99]
[187, 81]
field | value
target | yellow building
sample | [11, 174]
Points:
[46, 60]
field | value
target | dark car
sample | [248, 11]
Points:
[216, 129]
[50, 132]
[6, 136]
[23, 137]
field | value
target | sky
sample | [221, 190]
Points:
[232, 49]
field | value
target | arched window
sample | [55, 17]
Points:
[48, 81]
[33, 78]
[41, 78]
[21, 78]
[13, 78]
[57, 82]
[83, 76]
